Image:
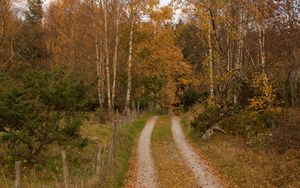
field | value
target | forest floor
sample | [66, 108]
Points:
[166, 159]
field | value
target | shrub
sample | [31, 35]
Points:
[38, 109]
[207, 118]
[101, 115]
[190, 97]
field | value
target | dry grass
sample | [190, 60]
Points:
[96, 131]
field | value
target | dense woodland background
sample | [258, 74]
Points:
[220, 59]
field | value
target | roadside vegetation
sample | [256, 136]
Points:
[81, 158]
[249, 153]
[129, 135]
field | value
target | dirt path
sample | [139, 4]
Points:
[172, 170]
[200, 169]
[146, 175]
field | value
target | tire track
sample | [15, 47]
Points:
[200, 169]
[172, 170]
[146, 175]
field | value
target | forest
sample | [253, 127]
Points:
[81, 80]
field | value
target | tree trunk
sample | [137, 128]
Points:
[99, 80]
[229, 64]
[2, 28]
[211, 65]
[103, 77]
[237, 66]
[115, 58]
[5, 10]
[261, 30]
[18, 174]
[239, 45]
[128, 94]
[98, 160]
[2, 20]
[65, 168]
[98, 64]
[107, 58]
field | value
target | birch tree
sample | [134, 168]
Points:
[211, 63]
[106, 51]
[98, 49]
[4, 14]
[117, 18]
[6, 32]
[130, 54]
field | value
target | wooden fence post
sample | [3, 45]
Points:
[112, 145]
[123, 120]
[65, 167]
[118, 118]
[98, 160]
[138, 108]
[18, 174]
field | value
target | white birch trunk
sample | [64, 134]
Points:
[211, 66]
[98, 63]
[261, 30]
[115, 57]
[103, 77]
[128, 93]
[107, 58]
[99, 77]
[238, 67]
[239, 56]
[228, 53]
[229, 59]
[3, 10]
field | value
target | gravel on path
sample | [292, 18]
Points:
[146, 175]
[200, 169]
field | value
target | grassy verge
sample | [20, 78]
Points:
[129, 134]
[247, 166]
